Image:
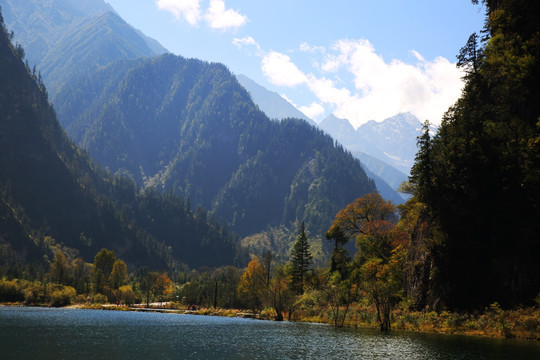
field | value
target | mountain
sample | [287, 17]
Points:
[339, 129]
[70, 38]
[394, 137]
[387, 178]
[53, 196]
[392, 176]
[386, 191]
[392, 141]
[91, 44]
[273, 105]
[38, 25]
[188, 127]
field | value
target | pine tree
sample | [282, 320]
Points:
[301, 260]
[421, 171]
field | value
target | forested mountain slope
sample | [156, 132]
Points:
[53, 196]
[70, 38]
[479, 177]
[187, 126]
[39, 25]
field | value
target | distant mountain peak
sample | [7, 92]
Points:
[336, 124]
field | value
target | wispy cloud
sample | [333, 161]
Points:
[190, 10]
[248, 42]
[217, 16]
[305, 47]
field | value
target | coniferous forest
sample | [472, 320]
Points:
[124, 220]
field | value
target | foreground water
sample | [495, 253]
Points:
[43, 333]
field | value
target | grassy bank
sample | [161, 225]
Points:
[492, 322]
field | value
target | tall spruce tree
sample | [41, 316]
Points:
[301, 260]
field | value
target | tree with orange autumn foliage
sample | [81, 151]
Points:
[377, 266]
[162, 286]
[252, 286]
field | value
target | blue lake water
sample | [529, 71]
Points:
[43, 333]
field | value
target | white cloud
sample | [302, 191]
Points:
[190, 10]
[377, 88]
[279, 70]
[305, 47]
[248, 41]
[245, 41]
[217, 16]
[418, 56]
[313, 111]
[220, 18]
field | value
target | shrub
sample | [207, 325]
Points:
[35, 293]
[126, 295]
[62, 296]
[98, 299]
[11, 291]
[81, 299]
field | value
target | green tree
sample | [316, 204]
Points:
[59, 269]
[484, 188]
[339, 259]
[266, 263]
[104, 261]
[421, 172]
[301, 260]
[118, 275]
[281, 296]
[470, 56]
[339, 294]
[145, 281]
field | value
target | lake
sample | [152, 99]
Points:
[46, 333]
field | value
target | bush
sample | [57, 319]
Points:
[35, 293]
[81, 299]
[126, 295]
[98, 299]
[62, 296]
[11, 291]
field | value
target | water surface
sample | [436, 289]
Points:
[43, 333]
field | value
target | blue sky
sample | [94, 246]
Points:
[361, 60]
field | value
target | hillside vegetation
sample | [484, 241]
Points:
[186, 126]
[53, 196]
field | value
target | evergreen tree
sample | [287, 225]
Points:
[301, 260]
[421, 171]
[480, 174]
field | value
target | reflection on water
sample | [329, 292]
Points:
[42, 333]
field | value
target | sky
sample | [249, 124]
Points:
[360, 60]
